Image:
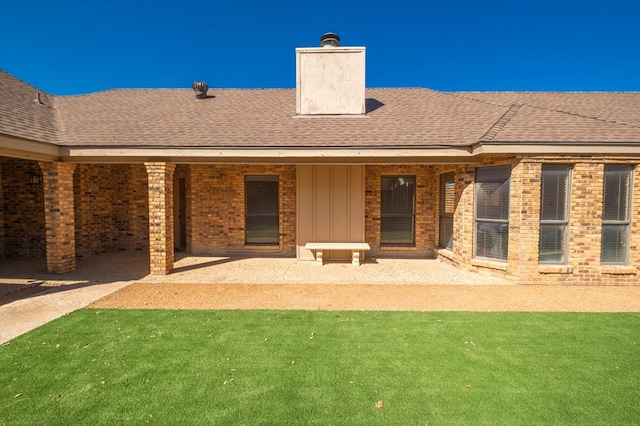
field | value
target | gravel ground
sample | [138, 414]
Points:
[383, 284]
[406, 297]
[277, 283]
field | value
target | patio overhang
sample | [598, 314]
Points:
[387, 155]
[556, 148]
[27, 149]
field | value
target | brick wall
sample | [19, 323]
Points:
[93, 195]
[215, 209]
[111, 208]
[22, 203]
[463, 225]
[130, 207]
[585, 223]
[426, 194]
[112, 213]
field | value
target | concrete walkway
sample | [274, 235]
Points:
[25, 307]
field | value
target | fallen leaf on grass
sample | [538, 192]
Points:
[468, 386]
[18, 395]
[312, 335]
[379, 404]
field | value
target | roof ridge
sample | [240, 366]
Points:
[536, 106]
[502, 121]
[575, 114]
[484, 101]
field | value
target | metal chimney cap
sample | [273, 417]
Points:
[200, 87]
[330, 40]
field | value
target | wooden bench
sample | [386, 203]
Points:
[355, 249]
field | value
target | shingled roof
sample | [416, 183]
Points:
[263, 119]
[267, 118]
[27, 112]
[566, 116]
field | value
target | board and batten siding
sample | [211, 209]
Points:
[330, 207]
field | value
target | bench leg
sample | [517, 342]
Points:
[319, 257]
[355, 257]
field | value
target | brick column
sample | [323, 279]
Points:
[59, 216]
[585, 235]
[463, 222]
[526, 241]
[160, 177]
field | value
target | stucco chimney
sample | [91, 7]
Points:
[330, 80]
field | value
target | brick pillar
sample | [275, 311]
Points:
[585, 235]
[160, 177]
[463, 222]
[526, 241]
[59, 216]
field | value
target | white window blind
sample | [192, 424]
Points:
[615, 214]
[554, 213]
[492, 212]
[447, 206]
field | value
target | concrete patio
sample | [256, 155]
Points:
[30, 297]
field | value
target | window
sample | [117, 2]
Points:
[554, 213]
[261, 210]
[397, 210]
[492, 212]
[615, 214]
[447, 203]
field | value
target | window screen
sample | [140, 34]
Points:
[554, 213]
[261, 210]
[447, 205]
[615, 214]
[397, 210]
[492, 212]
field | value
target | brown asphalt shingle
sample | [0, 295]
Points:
[266, 118]
[27, 112]
[256, 118]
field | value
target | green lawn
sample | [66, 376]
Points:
[314, 367]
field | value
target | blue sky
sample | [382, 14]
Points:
[73, 47]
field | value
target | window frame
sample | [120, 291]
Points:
[548, 223]
[384, 215]
[489, 221]
[609, 223]
[275, 241]
[445, 216]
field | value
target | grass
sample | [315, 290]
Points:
[315, 367]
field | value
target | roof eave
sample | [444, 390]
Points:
[611, 148]
[14, 147]
[387, 155]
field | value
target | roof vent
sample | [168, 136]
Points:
[330, 40]
[200, 87]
